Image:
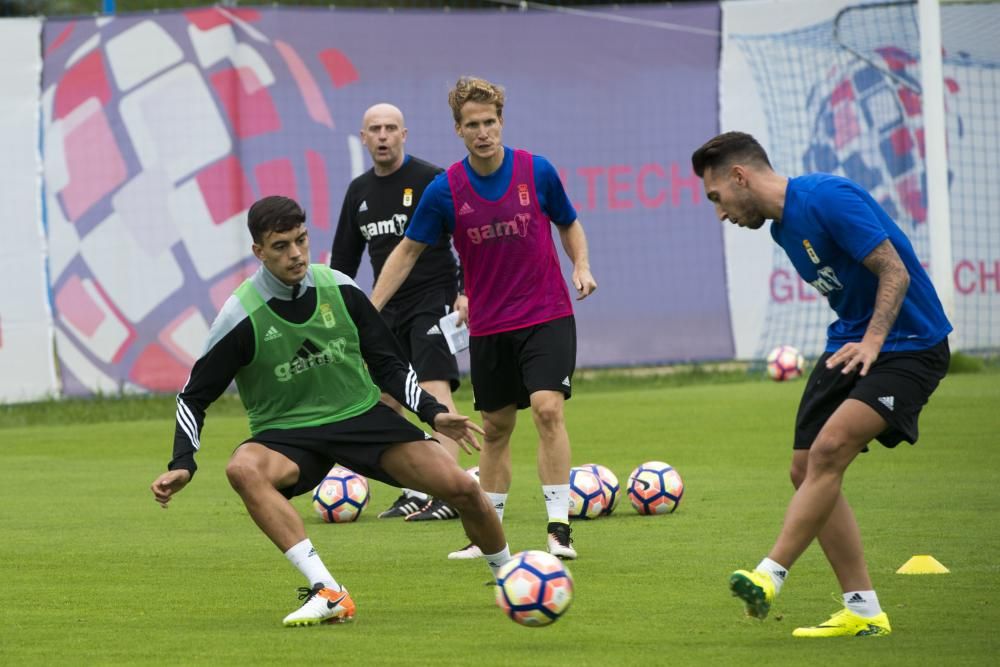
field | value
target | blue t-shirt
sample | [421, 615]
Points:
[435, 214]
[828, 226]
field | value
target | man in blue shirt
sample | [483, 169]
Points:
[885, 354]
[498, 205]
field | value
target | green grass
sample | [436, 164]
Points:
[94, 572]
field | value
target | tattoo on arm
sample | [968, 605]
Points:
[893, 281]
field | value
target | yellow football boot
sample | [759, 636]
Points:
[846, 623]
[755, 589]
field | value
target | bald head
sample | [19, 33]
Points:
[383, 134]
[382, 110]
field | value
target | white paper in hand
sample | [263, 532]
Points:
[456, 335]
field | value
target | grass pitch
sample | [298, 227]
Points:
[94, 572]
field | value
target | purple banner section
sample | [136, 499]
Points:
[161, 130]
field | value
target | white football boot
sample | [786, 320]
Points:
[322, 605]
[560, 543]
[468, 552]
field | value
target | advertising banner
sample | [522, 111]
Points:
[835, 87]
[161, 130]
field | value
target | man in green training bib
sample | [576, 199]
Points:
[310, 356]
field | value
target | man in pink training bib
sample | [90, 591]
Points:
[497, 204]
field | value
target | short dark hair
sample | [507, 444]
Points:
[273, 214]
[726, 149]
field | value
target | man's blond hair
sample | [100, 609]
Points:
[474, 89]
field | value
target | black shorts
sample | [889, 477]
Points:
[897, 387]
[414, 322]
[356, 443]
[510, 366]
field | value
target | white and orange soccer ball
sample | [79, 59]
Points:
[784, 363]
[612, 489]
[655, 488]
[341, 496]
[534, 588]
[587, 497]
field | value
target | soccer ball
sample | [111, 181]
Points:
[341, 496]
[784, 363]
[655, 488]
[534, 588]
[587, 499]
[612, 489]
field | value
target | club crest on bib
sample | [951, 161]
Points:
[326, 312]
[522, 194]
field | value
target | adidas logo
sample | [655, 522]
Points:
[887, 401]
[856, 598]
[363, 207]
[565, 381]
[310, 355]
[434, 330]
[465, 209]
[783, 574]
[272, 334]
[312, 552]
[308, 350]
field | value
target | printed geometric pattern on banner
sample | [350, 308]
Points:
[844, 97]
[160, 131]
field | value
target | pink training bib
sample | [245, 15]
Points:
[512, 273]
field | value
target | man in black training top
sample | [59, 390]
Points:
[377, 207]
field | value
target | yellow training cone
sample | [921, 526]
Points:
[922, 565]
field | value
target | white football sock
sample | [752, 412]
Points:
[776, 571]
[496, 561]
[304, 557]
[556, 502]
[499, 501]
[419, 495]
[863, 603]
